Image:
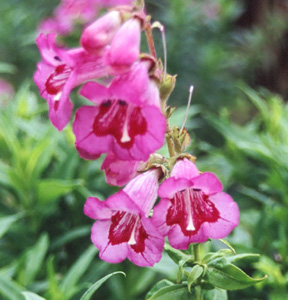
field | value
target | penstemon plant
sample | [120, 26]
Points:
[128, 121]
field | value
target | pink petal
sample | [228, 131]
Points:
[119, 172]
[171, 185]
[143, 189]
[132, 86]
[107, 252]
[208, 183]
[229, 216]
[96, 209]
[95, 92]
[184, 168]
[100, 33]
[128, 38]
[153, 247]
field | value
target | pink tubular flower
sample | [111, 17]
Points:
[61, 71]
[193, 207]
[119, 172]
[108, 3]
[123, 229]
[101, 32]
[108, 32]
[67, 13]
[127, 121]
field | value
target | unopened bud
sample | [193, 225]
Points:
[167, 86]
[100, 33]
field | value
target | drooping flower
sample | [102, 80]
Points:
[123, 228]
[60, 71]
[110, 3]
[67, 14]
[100, 33]
[119, 172]
[122, 40]
[193, 207]
[127, 121]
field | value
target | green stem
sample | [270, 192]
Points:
[169, 141]
[196, 252]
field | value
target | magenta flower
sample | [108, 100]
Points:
[100, 33]
[193, 207]
[119, 172]
[123, 229]
[59, 72]
[108, 32]
[67, 13]
[127, 121]
[108, 3]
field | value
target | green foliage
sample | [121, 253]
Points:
[256, 156]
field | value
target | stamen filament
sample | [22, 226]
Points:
[188, 106]
[132, 240]
[190, 226]
[125, 135]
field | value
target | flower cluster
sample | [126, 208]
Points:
[70, 12]
[127, 121]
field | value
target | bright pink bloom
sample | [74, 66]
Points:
[125, 45]
[123, 40]
[123, 229]
[67, 13]
[61, 71]
[119, 172]
[127, 121]
[193, 207]
[110, 3]
[101, 32]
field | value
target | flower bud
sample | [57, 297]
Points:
[100, 33]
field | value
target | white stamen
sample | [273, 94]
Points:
[132, 240]
[190, 226]
[188, 106]
[125, 135]
[57, 97]
[164, 50]
[161, 28]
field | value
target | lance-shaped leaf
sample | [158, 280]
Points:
[226, 276]
[158, 286]
[177, 255]
[32, 296]
[195, 273]
[177, 291]
[88, 294]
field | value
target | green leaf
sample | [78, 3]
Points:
[7, 68]
[176, 291]
[31, 296]
[51, 189]
[210, 256]
[88, 294]
[71, 235]
[77, 270]
[176, 255]
[159, 285]
[6, 222]
[34, 258]
[228, 245]
[10, 289]
[229, 277]
[195, 273]
[216, 294]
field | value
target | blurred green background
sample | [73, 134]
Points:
[235, 55]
